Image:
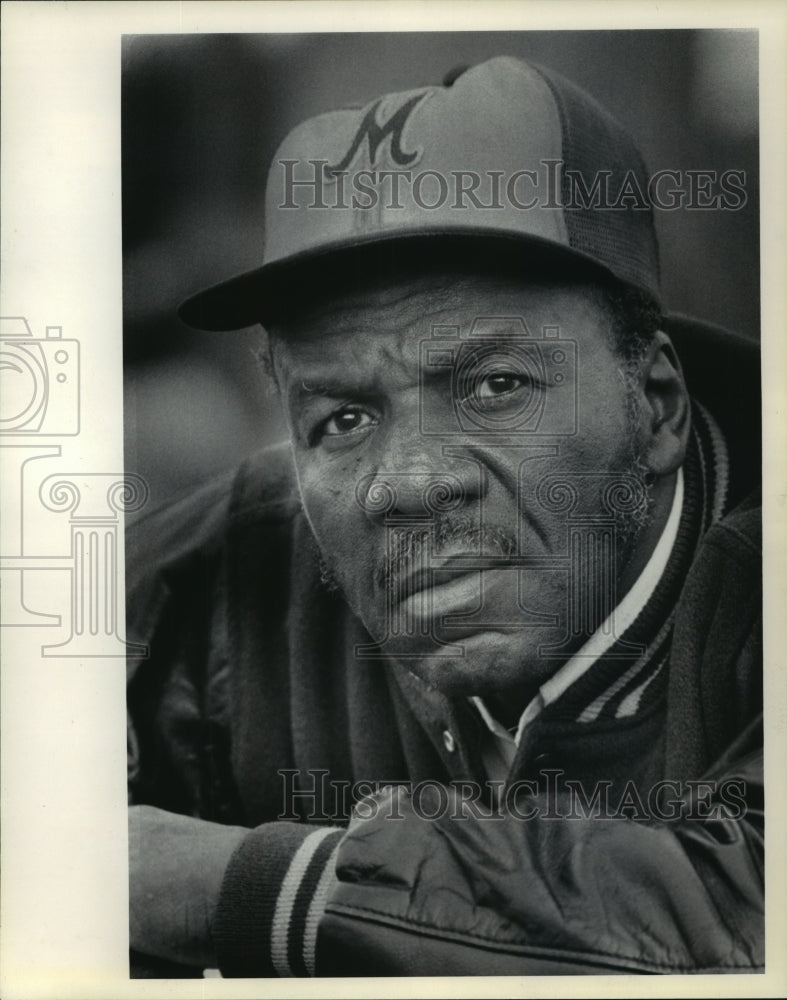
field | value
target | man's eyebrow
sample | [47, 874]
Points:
[340, 386]
[313, 388]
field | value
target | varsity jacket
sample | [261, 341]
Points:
[629, 834]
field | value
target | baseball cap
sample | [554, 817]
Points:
[508, 151]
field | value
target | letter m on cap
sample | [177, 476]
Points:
[374, 134]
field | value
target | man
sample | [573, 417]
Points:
[466, 679]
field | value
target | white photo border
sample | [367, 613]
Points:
[64, 846]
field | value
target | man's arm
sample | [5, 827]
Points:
[473, 896]
[176, 864]
[460, 894]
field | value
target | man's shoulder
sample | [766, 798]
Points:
[262, 487]
[738, 535]
[193, 529]
[729, 557]
[715, 675]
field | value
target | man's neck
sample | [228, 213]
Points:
[507, 707]
[508, 711]
[648, 538]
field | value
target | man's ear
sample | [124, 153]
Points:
[666, 415]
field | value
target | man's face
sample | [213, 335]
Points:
[433, 465]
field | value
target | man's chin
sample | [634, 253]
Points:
[486, 663]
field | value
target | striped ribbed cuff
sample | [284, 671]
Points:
[273, 896]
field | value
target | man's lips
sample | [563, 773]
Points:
[466, 602]
[461, 593]
[443, 571]
[455, 585]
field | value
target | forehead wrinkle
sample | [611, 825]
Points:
[356, 341]
[351, 339]
[381, 307]
[359, 369]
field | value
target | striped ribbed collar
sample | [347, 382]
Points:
[596, 683]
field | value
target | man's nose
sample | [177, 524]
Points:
[419, 480]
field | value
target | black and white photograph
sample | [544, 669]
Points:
[458, 670]
[432, 546]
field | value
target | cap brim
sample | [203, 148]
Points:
[721, 368]
[249, 298]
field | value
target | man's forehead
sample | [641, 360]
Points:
[414, 303]
[378, 304]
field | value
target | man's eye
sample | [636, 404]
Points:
[498, 390]
[345, 421]
[501, 384]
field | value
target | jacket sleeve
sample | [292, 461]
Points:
[175, 608]
[431, 888]
[461, 895]
[182, 698]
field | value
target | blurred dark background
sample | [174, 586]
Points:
[202, 116]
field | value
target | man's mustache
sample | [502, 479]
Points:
[408, 546]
